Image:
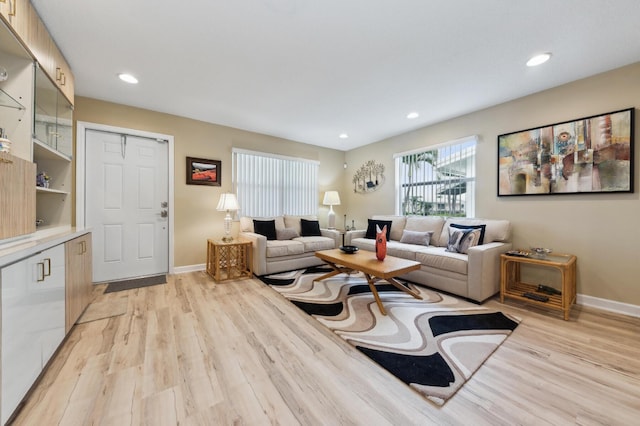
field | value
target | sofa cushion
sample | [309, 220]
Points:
[266, 228]
[397, 225]
[277, 248]
[246, 222]
[371, 228]
[316, 243]
[286, 234]
[309, 228]
[416, 237]
[426, 224]
[294, 221]
[480, 227]
[460, 240]
[439, 258]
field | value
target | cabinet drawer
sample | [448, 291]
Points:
[33, 321]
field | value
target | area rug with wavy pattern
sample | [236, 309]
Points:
[433, 345]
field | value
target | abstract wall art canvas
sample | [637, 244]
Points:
[588, 155]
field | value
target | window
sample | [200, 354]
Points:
[439, 181]
[273, 185]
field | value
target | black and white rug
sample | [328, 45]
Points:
[433, 345]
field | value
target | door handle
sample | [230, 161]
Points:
[164, 204]
[164, 213]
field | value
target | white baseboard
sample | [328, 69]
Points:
[189, 268]
[609, 305]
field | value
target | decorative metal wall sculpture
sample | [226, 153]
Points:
[369, 177]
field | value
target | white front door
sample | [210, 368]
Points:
[126, 202]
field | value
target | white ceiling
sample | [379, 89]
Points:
[308, 70]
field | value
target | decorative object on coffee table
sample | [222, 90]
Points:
[381, 242]
[349, 249]
[331, 198]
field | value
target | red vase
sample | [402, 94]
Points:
[381, 242]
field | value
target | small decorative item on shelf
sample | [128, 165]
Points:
[43, 180]
[381, 242]
[540, 251]
[5, 144]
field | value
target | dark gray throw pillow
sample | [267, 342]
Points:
[266, 228]
[371, 228]
[310, 228]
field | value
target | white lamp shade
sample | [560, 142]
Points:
[331, 198]
[227, 202]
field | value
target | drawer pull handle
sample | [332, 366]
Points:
[14, 9]
[41, 271]
[5, 160]
[48, 261]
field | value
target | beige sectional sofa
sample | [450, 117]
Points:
[475, 275]
[289, 250]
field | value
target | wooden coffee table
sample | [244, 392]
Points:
[372, 268]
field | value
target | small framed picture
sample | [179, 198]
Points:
[203, 172]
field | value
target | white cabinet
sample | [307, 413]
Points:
[33, 321]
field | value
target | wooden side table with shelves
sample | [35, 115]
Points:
[512, 286]
[227, 261]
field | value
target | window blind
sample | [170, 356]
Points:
[272, 185]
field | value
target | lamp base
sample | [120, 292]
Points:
[331, 219]
[226, 239]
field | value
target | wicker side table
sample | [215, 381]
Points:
[228, 261]
[512, 286]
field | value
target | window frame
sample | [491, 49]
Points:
[436, 163]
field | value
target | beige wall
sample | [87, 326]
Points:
[196, 218]
[601, 229]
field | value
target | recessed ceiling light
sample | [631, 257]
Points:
[343, 136]
[538, 59]
[413, 115]
[128, 78]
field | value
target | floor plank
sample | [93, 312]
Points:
[199, 353]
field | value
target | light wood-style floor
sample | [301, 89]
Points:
[195, 352]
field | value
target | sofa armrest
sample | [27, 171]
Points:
[334, 235]
[259, 251]
[350, 235]
[484, 270]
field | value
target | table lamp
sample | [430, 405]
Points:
[331, 198]
[227, 203]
